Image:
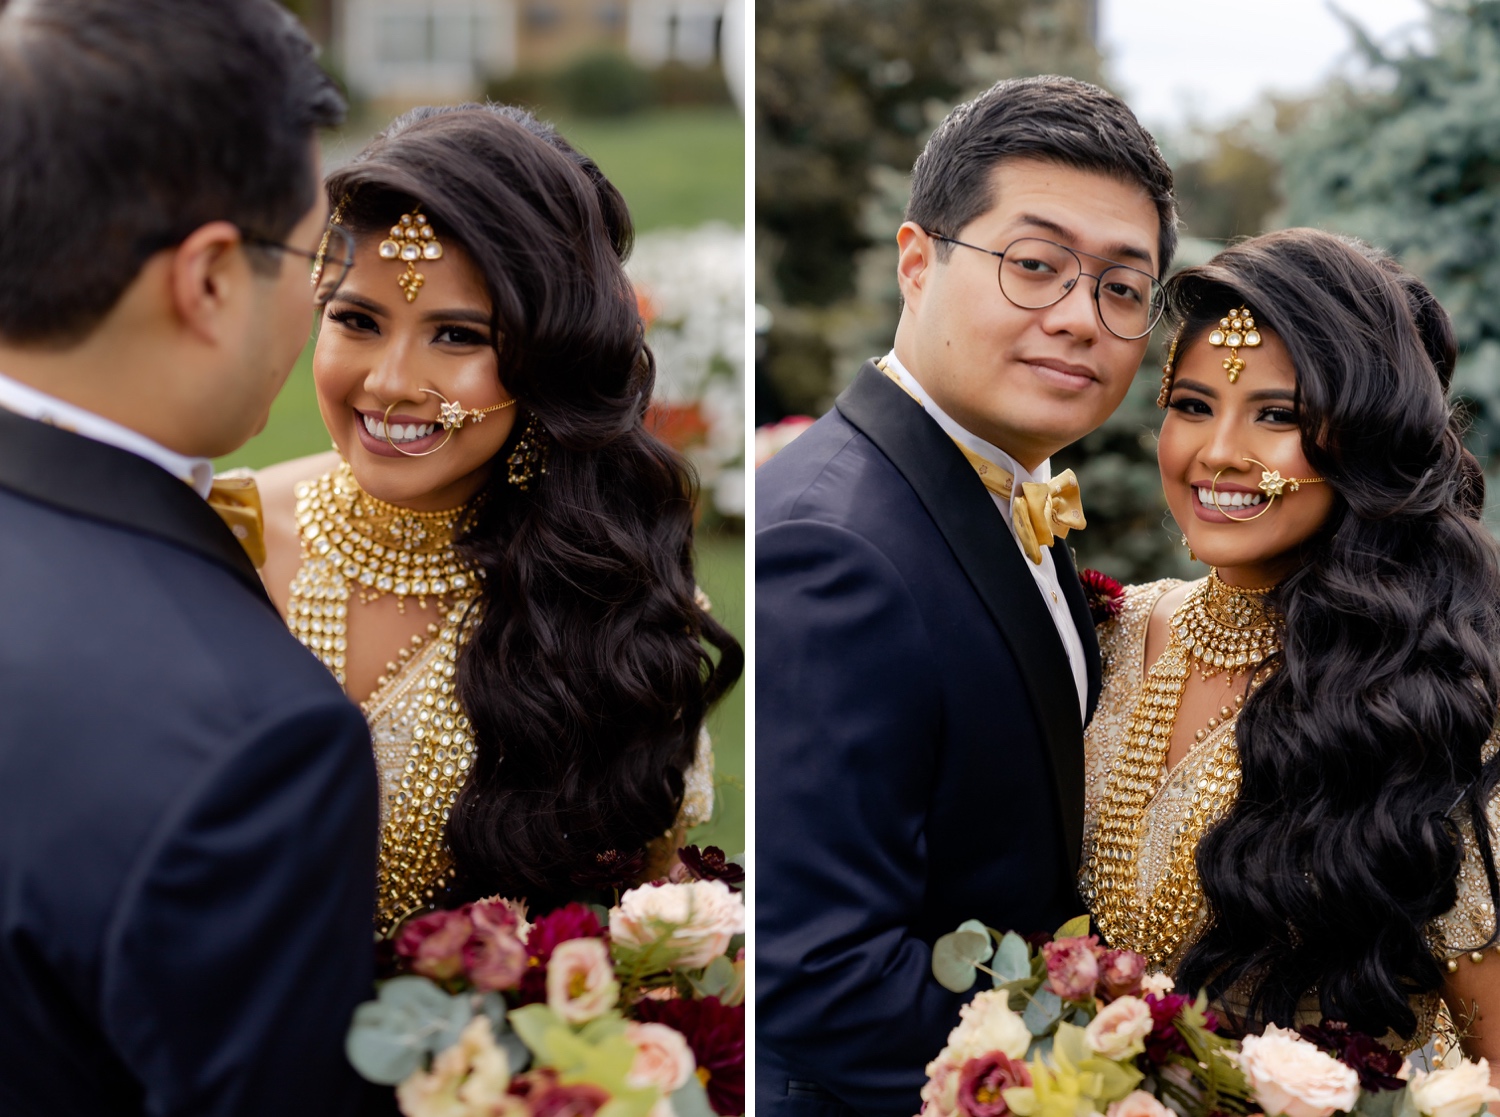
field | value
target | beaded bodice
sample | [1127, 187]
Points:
[1174, 815]
[423, 745]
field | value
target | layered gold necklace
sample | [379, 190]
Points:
[1218, 628]
[352, 542]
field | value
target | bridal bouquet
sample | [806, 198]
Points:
[633, 1011]
[1074, 1030]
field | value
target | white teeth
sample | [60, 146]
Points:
[400, 432]
[1229, 500]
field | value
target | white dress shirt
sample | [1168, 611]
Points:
[26, 401]
[1045, 572]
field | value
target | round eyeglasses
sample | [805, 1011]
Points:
[1037, 273]
[330, 263]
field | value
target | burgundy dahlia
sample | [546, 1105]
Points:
[1376, 1064]
[1106, 597]
[1165, 1039]
[707, 864]
[612, 869]
[716, 1033]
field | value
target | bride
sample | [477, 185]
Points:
[497, 560]
[1288, 775]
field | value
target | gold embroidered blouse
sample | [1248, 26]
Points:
[1122, 646]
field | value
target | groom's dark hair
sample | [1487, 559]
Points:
[1062, 120]
[127, 124]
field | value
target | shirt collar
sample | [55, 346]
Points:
[26, 401]
[956, 432]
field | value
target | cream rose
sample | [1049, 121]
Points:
[1290, 1077]
[468, 1079]
[581, 980]
[1460, 1092]
[707, 914]
[1120, 1029]
[987, 1024]
[1158, 983]
[1137, 1103]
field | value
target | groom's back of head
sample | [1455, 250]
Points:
[1055, 119]
[127, 124]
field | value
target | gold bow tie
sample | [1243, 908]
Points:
[1046, 510]
[237, 501]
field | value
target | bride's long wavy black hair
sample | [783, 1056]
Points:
[1362, 750]
[586, 676]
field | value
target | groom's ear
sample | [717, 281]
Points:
[209, 274]
[917, 256]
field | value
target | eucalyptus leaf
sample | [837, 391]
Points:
[1381, 1103]
[412, 1018]
[717, 979]
[1080, 1016]
[1407, 1106]
[601, 913]
[517, 1053]
[955, 954]
[691, 1099]
[1012, 960]
[1043, 1013]
[1041, 1048]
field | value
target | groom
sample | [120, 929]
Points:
[188, 804]
[926, 660]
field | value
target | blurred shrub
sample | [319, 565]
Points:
[608, 83]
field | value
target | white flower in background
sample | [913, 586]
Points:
[1120, 1029]
[695, 920]
[693, 286]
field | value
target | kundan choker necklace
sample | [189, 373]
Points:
[352, 540]
[1218, 628]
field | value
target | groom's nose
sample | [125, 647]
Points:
[1075, 314]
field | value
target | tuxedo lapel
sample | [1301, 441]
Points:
[105, 483]
[966, 517]
[1083, 620]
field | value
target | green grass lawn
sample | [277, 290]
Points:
[676, 167]
[721, 573]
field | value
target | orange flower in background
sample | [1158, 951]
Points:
[679, 425]
[645, 307]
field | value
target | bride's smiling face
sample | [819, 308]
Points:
[1212, 427]
[376, 351]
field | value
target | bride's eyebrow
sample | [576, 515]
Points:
[360, 301]
[478, 317]
[1273, 393]
[1195, 386]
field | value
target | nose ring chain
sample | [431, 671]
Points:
[451, 417]
[1272, 483]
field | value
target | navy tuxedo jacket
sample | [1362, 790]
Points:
[188, 809]
[919, 752]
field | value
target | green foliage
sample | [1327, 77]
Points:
[411, 1020]
[1411, 162]
[605, 83]
[1044, 1009]
[955, 955]
[597, 1053]
[1214, 1083]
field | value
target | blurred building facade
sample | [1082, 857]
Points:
[443, 50]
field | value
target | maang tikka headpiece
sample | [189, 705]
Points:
[1236, 329]
[411, 239]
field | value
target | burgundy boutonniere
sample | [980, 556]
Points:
[1106, 597]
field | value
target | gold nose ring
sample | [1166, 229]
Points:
[1272, 483]
[451, 417]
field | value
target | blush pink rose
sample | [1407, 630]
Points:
[1137, 1103]
[1073, 967]
[581, 981]
[662, 1057]
[694, 921]
[1120, 1029]
[1290, 1077]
